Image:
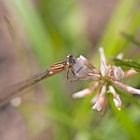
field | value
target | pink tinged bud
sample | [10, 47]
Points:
[116, 98]
[86, 91]
[126, 88]
[118, 73]
[101, 101]
[103, 68]
[130, 73]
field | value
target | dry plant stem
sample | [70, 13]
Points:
[14, 90]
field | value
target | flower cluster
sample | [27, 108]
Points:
[107, 79]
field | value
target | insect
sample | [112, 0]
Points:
[83, 69]
[14, 90]
[80, 68]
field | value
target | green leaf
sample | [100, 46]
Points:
[131, 38]
[127, 64]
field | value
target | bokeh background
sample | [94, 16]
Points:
[37, 33]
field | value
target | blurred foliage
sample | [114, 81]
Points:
[131, 38]
[127, 64]
[57, 28]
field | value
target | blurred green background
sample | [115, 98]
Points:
[49, 31]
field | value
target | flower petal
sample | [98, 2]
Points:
[95, 98]
[116, 98]
[127, 88]
[118, 73]
[99, 105]
[86, 91]
[103, 68]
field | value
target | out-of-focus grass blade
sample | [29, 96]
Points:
[125, 19]
[42, 46]
[131, 38]
[127, 123]
[35, 30]
[127, 64]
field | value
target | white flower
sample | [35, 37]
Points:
[107, 79]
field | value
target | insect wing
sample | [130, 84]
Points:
[82, 68]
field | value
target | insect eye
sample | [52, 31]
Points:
[70, 60]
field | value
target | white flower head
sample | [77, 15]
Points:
[107, 78]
